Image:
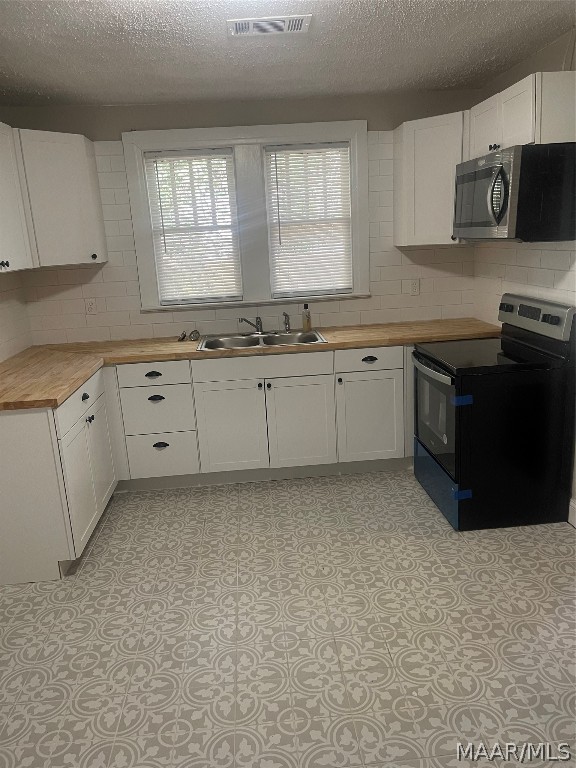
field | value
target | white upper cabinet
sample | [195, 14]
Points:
[426, 153]
[65, 215]
[14, 241]
[556, 102]
[504, 120]
[484, 127]
[518, 113]
[541, 108]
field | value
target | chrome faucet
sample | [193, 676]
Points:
[286, 321]
[257, 324]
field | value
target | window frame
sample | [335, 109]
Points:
[248, 144]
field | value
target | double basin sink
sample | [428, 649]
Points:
[241, 341]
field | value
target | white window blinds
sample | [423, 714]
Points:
[192, 202]
[309, 219]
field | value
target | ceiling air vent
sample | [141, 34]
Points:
[268, 26]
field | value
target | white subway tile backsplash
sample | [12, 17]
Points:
[104, 289]
[121, 303]
[117, 163]
[119, 274]
[444, 274]
[15, 332]
[88, 334]
[109, 148]
[114, 180]
[103, 164]
[543, 270]
[131, 332]
[121, 196]
[543, 277]
[563, 260]
[109, 319]
[115, 212]
[120, 243]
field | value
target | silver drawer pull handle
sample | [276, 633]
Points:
[161, 445]
[369, 359]
[152, 374]
[156, 398]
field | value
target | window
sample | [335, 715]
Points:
[309, 220]
[194, 226]
[251, 215]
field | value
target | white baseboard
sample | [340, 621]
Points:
[572, 513]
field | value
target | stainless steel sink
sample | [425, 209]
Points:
[230, 342]
[261, 340]
[296, 337]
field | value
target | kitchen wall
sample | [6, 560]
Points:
[546, 270]
[59, 299]
[382, 111]
[557, 56]
[14, 326]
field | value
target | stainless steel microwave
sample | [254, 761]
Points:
[520, 193]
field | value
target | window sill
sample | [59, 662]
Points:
[261, 303]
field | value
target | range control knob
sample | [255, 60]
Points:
[506, 307]
[551, 319]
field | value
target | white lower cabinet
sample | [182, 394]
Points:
[159, 421]
[78, 482]
[259, 423]
[232, 431]
[101, 459]
[89, 476]
[174, 453]
[369, 405]
[148, 410]
[301, 421]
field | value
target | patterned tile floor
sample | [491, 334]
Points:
[326, 622]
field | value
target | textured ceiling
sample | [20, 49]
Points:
[144, 51]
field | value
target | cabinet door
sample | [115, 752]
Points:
[232, 430]
[370, 409]
[75, 456]
[432, 149]
[100, 450]
[301, 421]
[92, 216]
[518, 112]
[485, 128]
[63, 210]
[14, 241]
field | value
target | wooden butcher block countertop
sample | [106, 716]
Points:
[45, 376]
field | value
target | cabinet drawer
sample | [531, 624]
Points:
[158, 409]
[152, 374]
[78, 403]
[375, 359]
[162, 455]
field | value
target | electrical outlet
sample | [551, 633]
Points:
[414, 287]
[91, 308]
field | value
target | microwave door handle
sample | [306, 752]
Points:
[490, 199]
[436, 375]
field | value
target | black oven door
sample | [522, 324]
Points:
[435, 412]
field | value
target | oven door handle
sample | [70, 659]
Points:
[441, 377]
